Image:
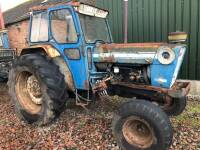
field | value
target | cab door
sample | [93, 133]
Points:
[66, 36]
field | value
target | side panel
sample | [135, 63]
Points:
[165, 75]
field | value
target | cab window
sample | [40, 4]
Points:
[39, 27]
[63, 27]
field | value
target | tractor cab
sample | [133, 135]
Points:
[73, 29]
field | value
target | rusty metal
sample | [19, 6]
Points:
[138, 133]
[45, 7]
[131, 45]
[34, 90]
[108, 52]
[101, 85]
[47, 48]
[108, 59]
[179, 90]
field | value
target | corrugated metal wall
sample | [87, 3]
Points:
[152, 20]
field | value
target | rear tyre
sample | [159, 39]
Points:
[140, 124]
[177, 107]
[37, 89]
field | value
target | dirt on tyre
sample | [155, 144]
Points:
[37, 89]
[140, 124]
[177, 107]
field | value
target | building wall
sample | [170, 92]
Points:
[18, 35]
[18, 32]
[152, 20]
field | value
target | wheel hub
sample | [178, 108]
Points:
[34, 90]
[137, 132]
[28, 92]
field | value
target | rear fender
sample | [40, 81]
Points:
[51, 52]
[44, 49]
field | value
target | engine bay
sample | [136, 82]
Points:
[135, 74]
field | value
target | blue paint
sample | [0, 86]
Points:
[5, 41]
[166, 72]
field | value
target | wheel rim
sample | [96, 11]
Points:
[138, 132]
[28, 92]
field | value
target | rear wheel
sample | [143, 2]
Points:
[140, 124]
[37, 88]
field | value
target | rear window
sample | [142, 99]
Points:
[39, 27]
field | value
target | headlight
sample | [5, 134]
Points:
[166, 55]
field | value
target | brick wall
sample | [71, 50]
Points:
[18, 32]
[18, 35]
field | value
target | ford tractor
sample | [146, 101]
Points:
[71, 54]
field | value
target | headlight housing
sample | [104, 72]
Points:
[166, 55]
[177, 37]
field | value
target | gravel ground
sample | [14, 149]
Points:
[78, 129]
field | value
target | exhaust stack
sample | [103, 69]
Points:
[125, 21]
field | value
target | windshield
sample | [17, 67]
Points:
[95, 29]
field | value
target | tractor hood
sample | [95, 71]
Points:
[159, 57]
[134, 53]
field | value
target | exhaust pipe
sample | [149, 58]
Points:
[125, 21]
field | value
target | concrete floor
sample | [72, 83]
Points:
[195, 88]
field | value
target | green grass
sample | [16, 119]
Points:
[190, 117]
[194, 109]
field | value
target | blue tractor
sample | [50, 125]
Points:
[6, 55]
[71, 53]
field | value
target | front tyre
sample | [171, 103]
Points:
[177, 107]
[37, 89]
[140, 124]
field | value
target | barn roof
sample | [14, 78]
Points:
[21, 12]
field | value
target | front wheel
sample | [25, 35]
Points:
[140, 124]
[37, 89]
[177, 107]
